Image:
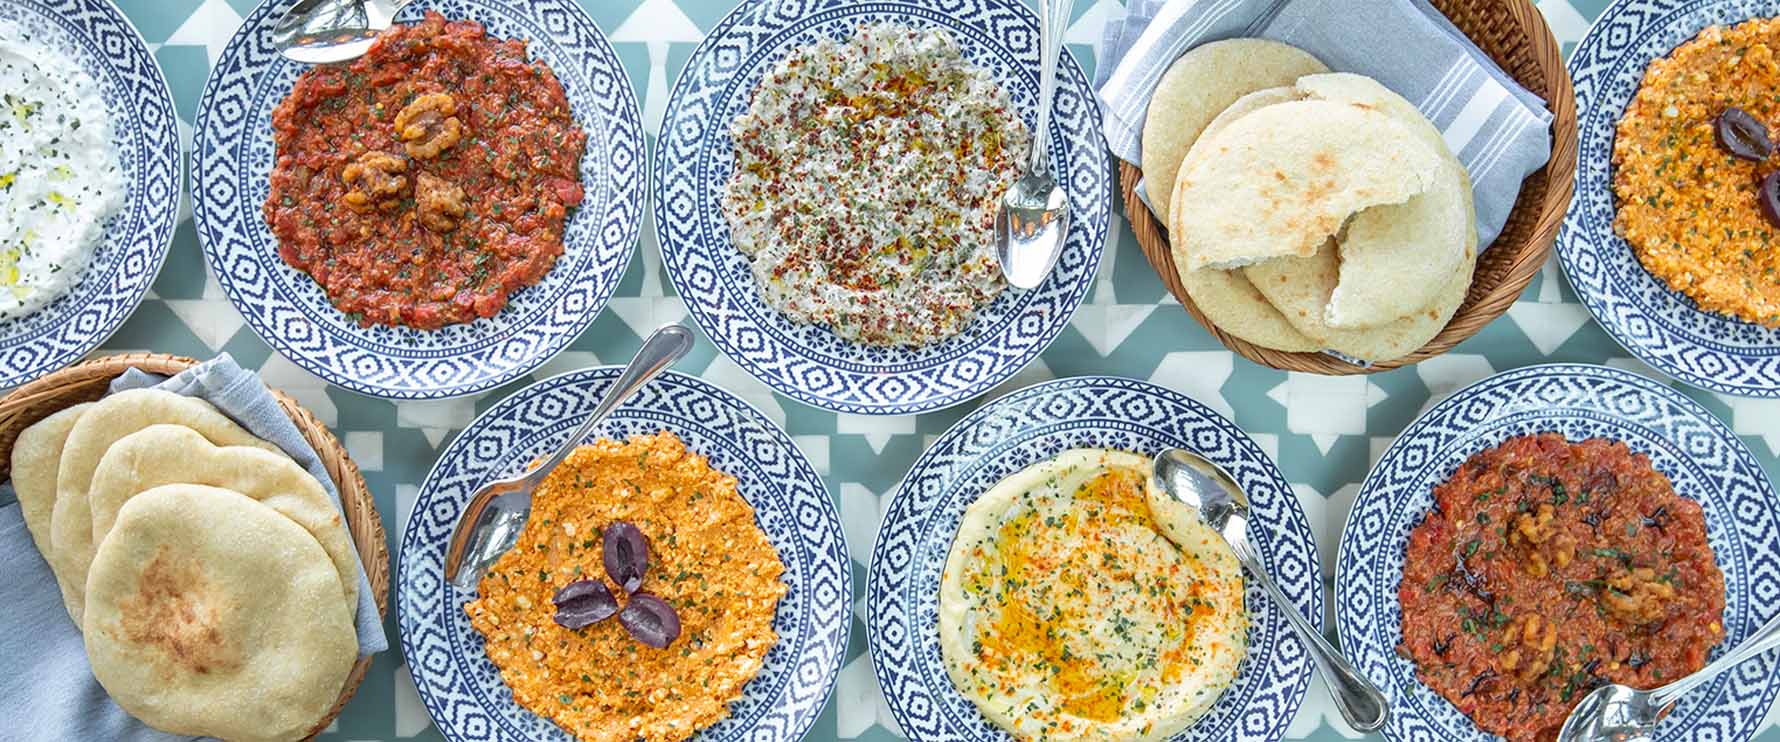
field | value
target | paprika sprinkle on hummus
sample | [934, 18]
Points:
[1689, 202]
[427, 181]
[706, 559]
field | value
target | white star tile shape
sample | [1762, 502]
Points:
[210, 26]
[366, 448]
[1106, 326]
[859, 703]
[411, 715]
[1548, 324]
[725, 374]
[1198, 374]
[1756, 417]
[657, 24]
[1445, 374]
[1326, 407]
[862, 513]
[435, 418]
[815, 448]
[1327, 515]
[877, 429]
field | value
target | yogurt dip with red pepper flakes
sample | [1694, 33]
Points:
[867, 176]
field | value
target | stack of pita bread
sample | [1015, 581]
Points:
[212, 577]
[1307, 210]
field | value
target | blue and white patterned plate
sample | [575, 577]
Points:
[694, 159]
[232, 155]
[463, 691]
[1037, 423]
[1698, 453]
[1661, 326]
[145, 135]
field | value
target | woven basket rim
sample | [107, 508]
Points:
[87, 379]
[1486, 300]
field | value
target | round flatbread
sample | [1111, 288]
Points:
[138, 462]
[1300, 288]
[1280, 180]
[1397, 258]
[1226, 297]
[71, 524]
[210, 614]
[35, 457]
[1206, 80]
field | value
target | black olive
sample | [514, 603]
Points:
[1743, 136]
[1770, 198]
[650, 620]
[583, 603]
[626, 555]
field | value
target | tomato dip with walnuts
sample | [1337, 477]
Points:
[1548, 568]
[428, 180]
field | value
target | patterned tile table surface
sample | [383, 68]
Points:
[1324, 432]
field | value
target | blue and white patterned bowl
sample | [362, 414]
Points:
[1703, 459]
[694, 159]
[1661, 326]
[232, 158]
[1037, 423]
[145, 135]
[464, 692]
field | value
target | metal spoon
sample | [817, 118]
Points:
[1033, 222]
[330, 31]
[1618, 713]
[491, 522]
[1191, 479]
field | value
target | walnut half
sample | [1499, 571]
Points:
[428, 125]
[374, 181]
[440, 203]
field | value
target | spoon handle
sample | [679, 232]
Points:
[1053, 20]
[1360, 702]
[663, 347]
[1765, 638]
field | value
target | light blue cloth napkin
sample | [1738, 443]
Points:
[1498, 129]
[47, 688]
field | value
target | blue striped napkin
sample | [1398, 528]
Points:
[1498, 129]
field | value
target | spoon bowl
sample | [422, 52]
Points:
[491, 521]
[1222, 505]
[1617, 713]
[332, 31]
[1033, 222]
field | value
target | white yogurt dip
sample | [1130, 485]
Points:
[60, 180]
[867, 174]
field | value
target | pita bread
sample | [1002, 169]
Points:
[138, 462]
[71, 524]
[1206, 80]
[1280, 180]
[1226, 297]
[1300, 288]
[209, 614]
[1396, 259]
[35, 456]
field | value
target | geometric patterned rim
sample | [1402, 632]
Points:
[232, 158]
[1701, 456]
[694, 159]
[145, 137]
[1034, 424]
[1660, 326]
[464, 692]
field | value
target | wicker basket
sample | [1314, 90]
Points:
[88, 380]
[1513, 33]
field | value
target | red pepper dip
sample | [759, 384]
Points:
[427, 181]
[1548, 568]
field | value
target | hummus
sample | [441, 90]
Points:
[60, 181]
[867, 177]
[1080, 603]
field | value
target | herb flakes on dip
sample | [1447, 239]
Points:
[707, 561]
[60, 182]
